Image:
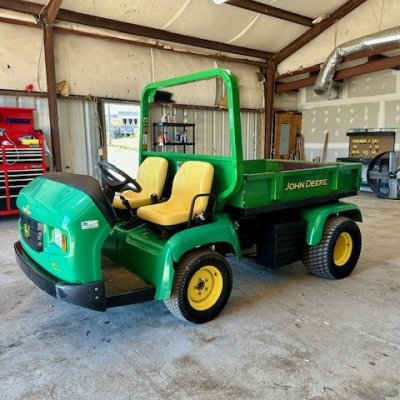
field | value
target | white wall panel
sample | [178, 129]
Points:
[315, 52]
[367, 101]
[250, 83]
[20, 52]
[102, 68]
[168, 65]
[370, 17]
[154, 13]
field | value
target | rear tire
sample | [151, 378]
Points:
[336, 256]
[202, 286]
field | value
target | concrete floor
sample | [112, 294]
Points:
[283, 335]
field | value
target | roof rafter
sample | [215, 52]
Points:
[49, 13]
[312, 33]
[371, 65]
[134, 29]
[275, 12]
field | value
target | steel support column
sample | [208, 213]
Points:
[52, 95]
[269, 93]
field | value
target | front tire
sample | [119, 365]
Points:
[202, 286]
[336, 256]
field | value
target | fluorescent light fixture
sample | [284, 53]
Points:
[381, 40]
[219, 1]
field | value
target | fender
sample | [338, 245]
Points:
[315, 217]
[138, 249]
[222, 230]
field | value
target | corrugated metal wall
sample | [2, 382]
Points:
[80, 137]
[212, 129]
[79, 134]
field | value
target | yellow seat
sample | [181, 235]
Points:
[193, 178]
[151, 177]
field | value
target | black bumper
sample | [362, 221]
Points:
[90, 295]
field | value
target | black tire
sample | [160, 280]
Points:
[336, 256]
[203, 298]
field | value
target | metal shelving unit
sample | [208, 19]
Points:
[170, 134]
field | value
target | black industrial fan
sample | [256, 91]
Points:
[383, 175]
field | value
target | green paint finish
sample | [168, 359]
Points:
[243, 184]
[57, 205]
[317, 216]
[228, 173]
[152, 258]
[270, 182]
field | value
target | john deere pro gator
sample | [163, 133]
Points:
[165, 235]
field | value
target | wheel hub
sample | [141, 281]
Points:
[205, 288]
[343, 249]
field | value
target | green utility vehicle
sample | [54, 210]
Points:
[179, 219]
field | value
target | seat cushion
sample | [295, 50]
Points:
[163, 214]
[193, 178]
[136, 200]
[151, 177]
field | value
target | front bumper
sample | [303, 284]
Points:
[91, 295]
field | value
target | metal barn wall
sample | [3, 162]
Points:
[80, 136]
[212, 129]
[79, 133]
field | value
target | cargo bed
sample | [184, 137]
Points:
[274, 184]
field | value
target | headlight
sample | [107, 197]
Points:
[60, 239]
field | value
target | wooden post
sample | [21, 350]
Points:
[269, 92]
[48, 16]
[52, 95]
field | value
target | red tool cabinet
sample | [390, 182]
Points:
[22, 156]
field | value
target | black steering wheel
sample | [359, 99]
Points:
[116, 179]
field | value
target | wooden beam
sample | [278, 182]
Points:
[376, 57]
[20, 22]
[134, 29]
[269, 94]
[369, 53]
[312, 33]
[70, 16]
[60, 29]
[373, 66]
[49, 13]
[368, 67]
[271, 11]
[363, 54]
[295, 85]
[21, 6]
[301, 71]
[52, 94]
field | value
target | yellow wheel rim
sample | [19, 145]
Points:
[343, 249]
[205, 288]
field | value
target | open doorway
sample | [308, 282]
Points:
[121, 122]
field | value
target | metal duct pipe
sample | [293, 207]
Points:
[323, 84]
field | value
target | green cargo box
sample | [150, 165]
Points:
[272, 184]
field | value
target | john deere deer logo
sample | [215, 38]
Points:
[26, 209]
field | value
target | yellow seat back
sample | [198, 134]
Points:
[151, 177]
[193, 178]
